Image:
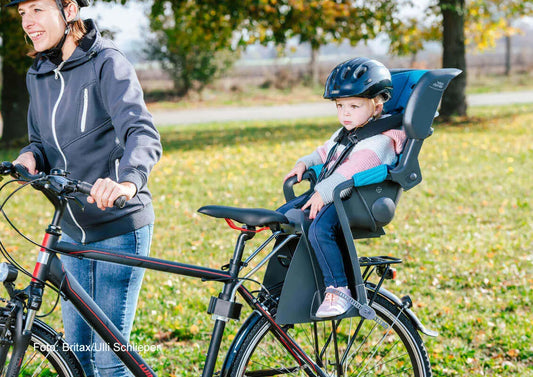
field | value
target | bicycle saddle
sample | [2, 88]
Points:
[248, 216]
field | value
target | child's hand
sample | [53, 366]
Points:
[315, 203]
[298, 171]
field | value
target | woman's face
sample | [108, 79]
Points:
[42, 22]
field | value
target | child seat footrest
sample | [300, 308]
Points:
[365, 311]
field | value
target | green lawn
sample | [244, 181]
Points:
[464, 233]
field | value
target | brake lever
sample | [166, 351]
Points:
[77, 201]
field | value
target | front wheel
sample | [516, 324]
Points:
[47, 355]
[347, 347]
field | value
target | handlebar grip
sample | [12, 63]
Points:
[85, 188]
[120, 202]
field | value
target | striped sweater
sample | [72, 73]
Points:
[368, 153]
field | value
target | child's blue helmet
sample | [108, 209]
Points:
[359, 77]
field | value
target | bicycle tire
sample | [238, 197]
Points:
[47, 355]
[262, 354]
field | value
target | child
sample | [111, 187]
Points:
[359, 87]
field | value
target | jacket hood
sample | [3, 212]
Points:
[90, 45]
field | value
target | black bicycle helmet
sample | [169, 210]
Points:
[359, 77]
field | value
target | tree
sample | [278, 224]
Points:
[454, 56]
[194, 40]
[490, 20]
[319, 22]
[14, 96]
[477, 24]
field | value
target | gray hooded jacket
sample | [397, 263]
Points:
[88, 117]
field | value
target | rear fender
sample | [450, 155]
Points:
[410, 314]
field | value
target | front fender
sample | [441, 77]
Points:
[410, 314]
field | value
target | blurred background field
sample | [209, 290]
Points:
[465, 234]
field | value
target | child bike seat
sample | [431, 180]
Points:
[374, 193]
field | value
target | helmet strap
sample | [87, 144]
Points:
[55, 54]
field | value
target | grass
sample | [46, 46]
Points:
[464, 233]
[491, 83]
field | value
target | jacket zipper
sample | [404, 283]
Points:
[54, 111]
[85, 106]
[117, 163]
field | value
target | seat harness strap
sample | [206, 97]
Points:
[354, 136]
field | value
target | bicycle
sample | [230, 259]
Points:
[19, 329]
[378, 336]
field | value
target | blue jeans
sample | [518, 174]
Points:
[115, 288]
[324, 234]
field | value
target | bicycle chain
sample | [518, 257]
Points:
[365, 311]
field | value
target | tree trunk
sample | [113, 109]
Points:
[14, 96]
[454, 56]
[314, 66]
[507, 55]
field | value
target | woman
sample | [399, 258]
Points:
[87, 116]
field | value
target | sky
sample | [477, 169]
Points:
[129, 21]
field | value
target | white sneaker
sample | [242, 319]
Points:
[334, 305]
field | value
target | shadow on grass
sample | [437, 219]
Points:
[233, 134]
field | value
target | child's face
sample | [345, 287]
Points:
[355, 112]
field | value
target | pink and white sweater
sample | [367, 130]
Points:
[368, 153]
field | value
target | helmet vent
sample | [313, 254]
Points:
[360, 71]
[345, 73]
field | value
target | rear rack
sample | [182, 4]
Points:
[378, 261]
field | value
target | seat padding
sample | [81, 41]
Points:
[247, 216]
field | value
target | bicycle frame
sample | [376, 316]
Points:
[49, 268]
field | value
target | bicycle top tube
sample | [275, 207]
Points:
[150, 263]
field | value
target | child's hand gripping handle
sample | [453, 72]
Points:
[288, 190]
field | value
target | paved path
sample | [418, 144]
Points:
[303, 110]
[298, 111]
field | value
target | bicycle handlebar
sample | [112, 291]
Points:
[55, 182]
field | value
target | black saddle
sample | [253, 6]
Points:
[247, 216]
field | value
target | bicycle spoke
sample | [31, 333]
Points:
[387, 332]
[272, 372]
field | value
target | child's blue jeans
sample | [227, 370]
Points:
[324, 235]
[115, 288]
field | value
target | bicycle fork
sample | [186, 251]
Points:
[23, 323]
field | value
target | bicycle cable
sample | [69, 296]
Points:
[3, 249]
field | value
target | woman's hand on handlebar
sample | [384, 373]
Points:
[27, 160]
[106, 191]
[298, 171]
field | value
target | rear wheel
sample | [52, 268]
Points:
[347, 347]
[47, 355]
